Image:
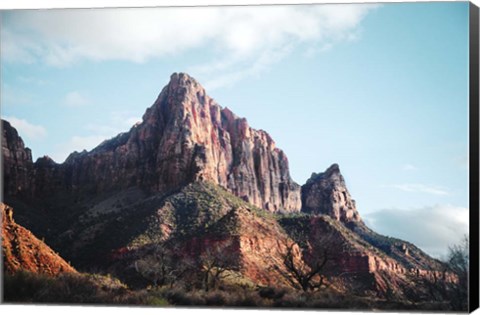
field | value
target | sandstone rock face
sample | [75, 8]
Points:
[17, 162]
[22, 250]
[197, 139]
[327, 193]
[185, 136]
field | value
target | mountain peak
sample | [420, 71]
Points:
[183, 78]
[334, 168]
[185, 136]
[331, 175]
[327, 193]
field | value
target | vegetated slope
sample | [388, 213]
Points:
[201, 218]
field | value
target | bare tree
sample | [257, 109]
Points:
[215, 264]
[157, 267]
[299, 274]
[459, 262]
[304, 270]
[162, 265]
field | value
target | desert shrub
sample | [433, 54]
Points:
[156, 301]
[271, 292]
[27, 287]
[249, 299]
[291, 300]
[333, 300]
[24, 286]
[180, 297]
[217, 298]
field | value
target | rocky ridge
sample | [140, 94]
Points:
[23, 251]
[184, 136]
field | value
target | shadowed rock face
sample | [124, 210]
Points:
[17, 162]
[327, 193]
[184, 136]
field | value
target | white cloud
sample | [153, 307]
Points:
[75, 99]
[246, 40]
[409, 167]
[421, 188]
[26, 129]
[117, 122]
[432, 228]
[76, 143]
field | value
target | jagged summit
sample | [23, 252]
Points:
[332, 171]
[327, 193]
[185, 136]
[182, 78]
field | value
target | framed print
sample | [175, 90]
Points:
[290, 156]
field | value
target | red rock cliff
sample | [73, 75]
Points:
[185, 136]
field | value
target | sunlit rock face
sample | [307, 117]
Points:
[23, 251]
[184, 136]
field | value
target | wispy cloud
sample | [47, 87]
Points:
[75, 99]
[13, 96]
[432, 228]
[33, 80]
[246, 40]
[421, 188]
[76, 143]
[115, 123]
[27, 129]
[409, 167]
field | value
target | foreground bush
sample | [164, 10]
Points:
[26, 287]
[68, 288]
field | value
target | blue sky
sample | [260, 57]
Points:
[380, 90]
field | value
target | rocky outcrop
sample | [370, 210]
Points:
[17, 162]
[23, 251]
[184, 136]
[327, 193]
[358, 264]
[195, 139]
